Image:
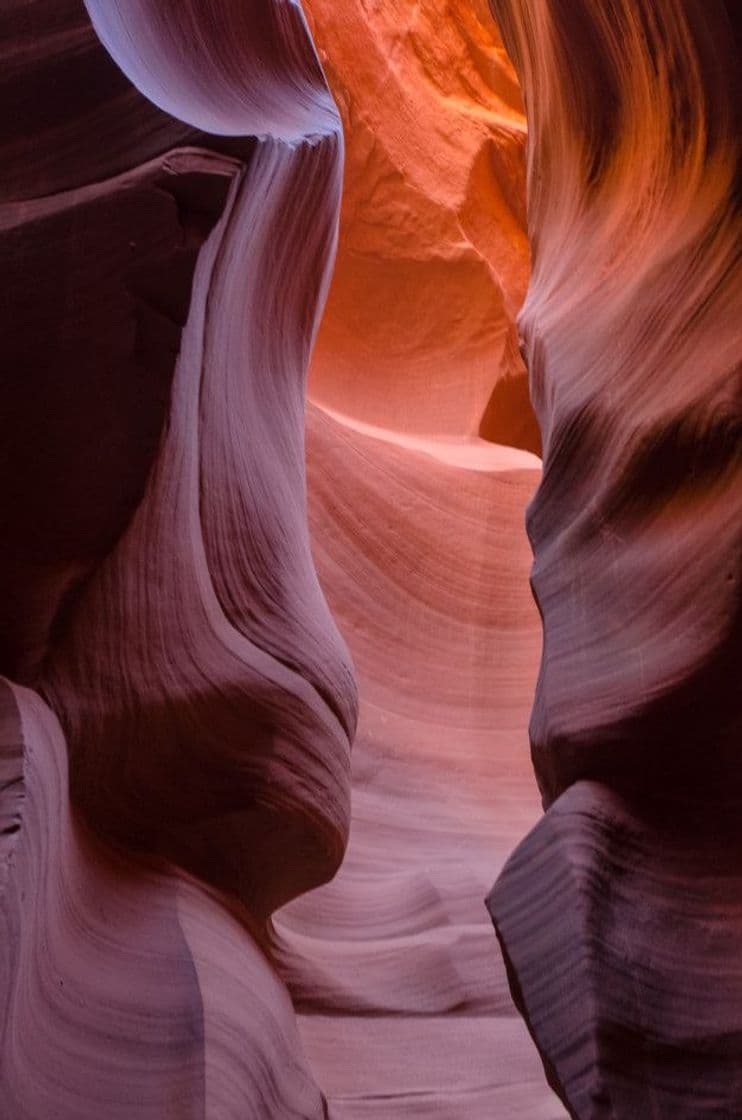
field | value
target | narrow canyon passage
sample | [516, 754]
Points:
[403, 1000]
[320, 613]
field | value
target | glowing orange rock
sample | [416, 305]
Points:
[418, 333]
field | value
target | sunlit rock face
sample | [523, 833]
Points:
[620, 914]
[419, 332]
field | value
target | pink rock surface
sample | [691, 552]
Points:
[177, 705]
[128, 989]
[187, 769]
[404, 1007]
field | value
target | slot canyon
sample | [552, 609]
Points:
[371, 622]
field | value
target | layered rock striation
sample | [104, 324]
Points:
[177, 705]
[403, 1001]
[620, 914]
[177, 764]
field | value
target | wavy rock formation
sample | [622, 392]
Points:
[419, 331]
[158, 588]
[620, 914]
[128, 991]
[417, 532]
[177, 705]
[174, 761]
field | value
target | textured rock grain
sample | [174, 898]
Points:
[404, 1007]
[419, 333]
[620, 913]
[180, 764]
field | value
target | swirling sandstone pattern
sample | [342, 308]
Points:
[167, 269]
[620, 913]
[127, 990]
[178, 708]
[158, 589]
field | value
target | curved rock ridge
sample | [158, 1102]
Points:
[628, 968]
[234, 68]
[208, 613]
[203, 613]
[128, 990]
[631, 334]
[104, 204]
[159, 590]
[419, 331]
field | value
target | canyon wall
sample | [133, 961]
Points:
[417, 530]
[419, 331]
[621, 914]
[175, 739]
[177, 705]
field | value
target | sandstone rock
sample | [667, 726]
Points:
[631, 335]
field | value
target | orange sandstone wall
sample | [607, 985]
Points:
[418, 334]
